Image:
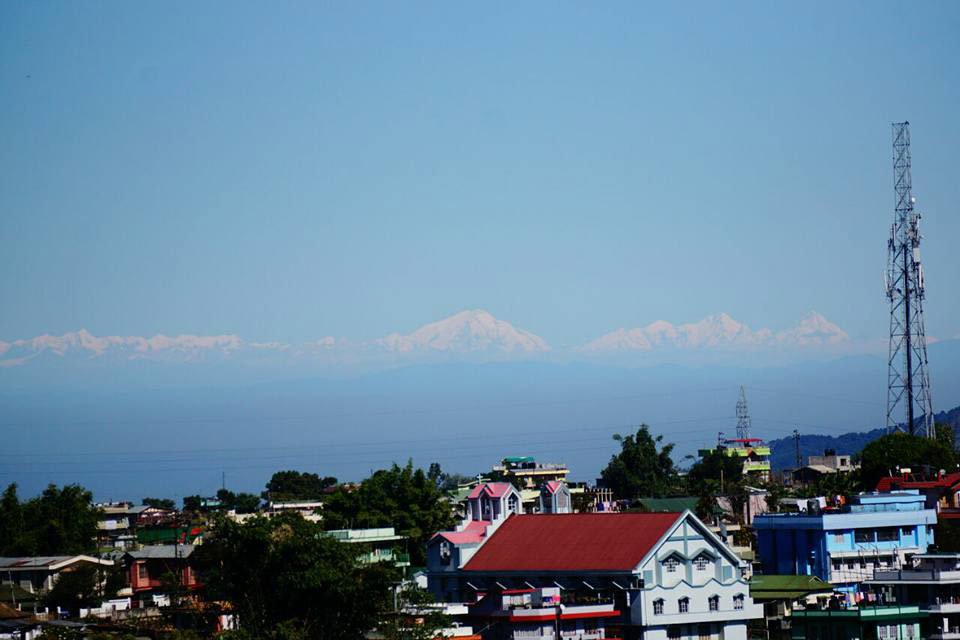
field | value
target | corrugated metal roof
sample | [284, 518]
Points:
[162, 552]
[572, 542]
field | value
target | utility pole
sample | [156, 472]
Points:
[796, 445]
[908, 377]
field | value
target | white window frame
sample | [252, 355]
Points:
[658, 607]
[701, 562]
[683, 605]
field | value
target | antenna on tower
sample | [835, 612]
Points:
[908, 377]
[743, 417]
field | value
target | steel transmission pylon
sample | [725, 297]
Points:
[909, 404]
[743, 417]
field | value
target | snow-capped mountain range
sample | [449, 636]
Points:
[471, 332]
[717, 331]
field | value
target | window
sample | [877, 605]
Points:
[658, 607]
[910, 631]
[683, 604]
[671, 564]
[705, 632]
[673, 632]
[888, 534]
[701, 562]
[738, 602]
[836, 565]
[142, 571]
[445, 552]
[906, 532]
[863, 535]
[838, 538]
[714, 603]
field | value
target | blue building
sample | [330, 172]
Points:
[876, 531]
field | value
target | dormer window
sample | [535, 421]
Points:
[670, 564]
[445, 552]
[714, 602]
[683, 605]
[701, 562]
[738, 602]
[658, 607]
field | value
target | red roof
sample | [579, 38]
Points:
[897, 482]
[495, 489]
[572, 542]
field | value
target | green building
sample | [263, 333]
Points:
[884, 622]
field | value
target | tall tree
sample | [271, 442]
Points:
[58, 521]
[642, 469]
[297, 485]
[899, 450]
[159, 503]
[287, 580]
[401, 497]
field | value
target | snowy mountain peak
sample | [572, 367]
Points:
[468, 331]
[717, 331]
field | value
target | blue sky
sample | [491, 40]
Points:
[293, 170]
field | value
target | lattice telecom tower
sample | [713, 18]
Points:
[908, 380]
[743, 417]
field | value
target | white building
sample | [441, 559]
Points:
[659, 575]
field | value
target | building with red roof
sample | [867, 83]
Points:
[941, 493]
[624, 575]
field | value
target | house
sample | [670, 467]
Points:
[819, 466]
[754, 452]
[38, 574]
[488, 506]
[119, 522]
[659, 575]
[526, 472]
[508, 614]
[931, 581]
[151, 570]
[865, 622]
[379, 545]
[844, 546]
[942, 492]
[308, 509]
[555, 497]
[780, 594]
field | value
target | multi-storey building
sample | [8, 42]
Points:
[754, 452]
[379, 545]
[931, 582]
[659, 575]
[526, 473]
[844, 546]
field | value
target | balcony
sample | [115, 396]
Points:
[916, 576]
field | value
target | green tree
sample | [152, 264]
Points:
[85, 586]
[417, 617]
[159, 503]
[887, 453]
[288, 580]
[57, 522]
[717, 474]
[297, 485]
[400, 497]
[642, 469]
[239, 502]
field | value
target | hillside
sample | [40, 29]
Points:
[783, 450]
